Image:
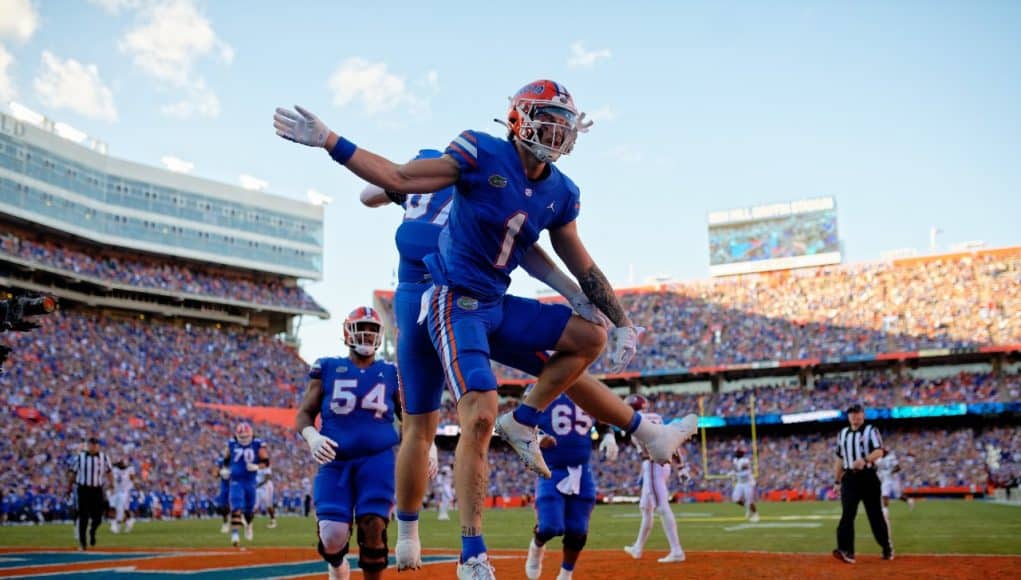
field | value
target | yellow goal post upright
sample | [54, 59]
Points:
[755, 444]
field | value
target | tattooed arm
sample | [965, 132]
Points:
[569, 247]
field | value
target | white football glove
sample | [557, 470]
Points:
[584, 307]
[433, 461]
[609, 446]
[583, 124]
[252, 466]
[324, 449]
[224, 473]
[622, 347]
[301, 127]
[684, 474]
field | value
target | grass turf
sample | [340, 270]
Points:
[934, 527]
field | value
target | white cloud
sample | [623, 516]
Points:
[581, 58]
[69, 84]
[170, 38]
[604, 113]
[252, 183]
[169, 41]
[176, 164]
[18, 19]
[7, 90]
[115, 6]
[432, 80]
[378, 91]
[200, 102]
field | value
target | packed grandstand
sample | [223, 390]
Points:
[154, 333]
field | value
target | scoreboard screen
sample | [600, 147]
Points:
[773, 237]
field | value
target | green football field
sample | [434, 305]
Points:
[933, 527]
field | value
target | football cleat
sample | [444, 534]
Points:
[634, 552]
[672, 557]
[225, 528]
[843, 556]
[668, 438]
[754, 518]
[524, 441]
[533, 565]
[476, 568]
[408, 553]
[249, 531]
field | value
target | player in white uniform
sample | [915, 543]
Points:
[444, 492]
[744, 485]
[123, 483]
[655, 496]
[264, 501]
[888, 468]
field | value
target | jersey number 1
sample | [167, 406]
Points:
[510, 231]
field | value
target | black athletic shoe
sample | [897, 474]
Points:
[843, 556]
[888, 554]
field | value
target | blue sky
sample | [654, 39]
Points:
[906, 112]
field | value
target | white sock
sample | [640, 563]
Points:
[644, 530]
[407, 530]
[646, 430]
[666, 516]
[565, 574]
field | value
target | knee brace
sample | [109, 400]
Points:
[574, 541]
[543, 535]
[235, 518]
[372, 534]
[333, 542]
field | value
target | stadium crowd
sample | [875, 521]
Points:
[138, 385]
[828, 312]
[159, 274]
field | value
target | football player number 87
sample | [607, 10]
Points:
[510, 232]
[345, 400]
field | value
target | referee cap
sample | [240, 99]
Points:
[93, 439]
[855, 408]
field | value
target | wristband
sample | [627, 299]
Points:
[343, 150]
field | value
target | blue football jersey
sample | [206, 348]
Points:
[417, 236]
[358, 405]
[571, 427]
[498, 213]
[240, 456]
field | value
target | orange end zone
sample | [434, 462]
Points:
[594, 564]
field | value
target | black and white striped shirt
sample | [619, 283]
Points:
[854, 445]
[91, 470]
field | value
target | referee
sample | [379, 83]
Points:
[89, 470]
[858, 448]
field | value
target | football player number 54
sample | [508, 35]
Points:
[345, 399]
[510, 232]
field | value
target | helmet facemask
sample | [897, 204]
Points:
[547, 129]
[243, 433]
[363, 336]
